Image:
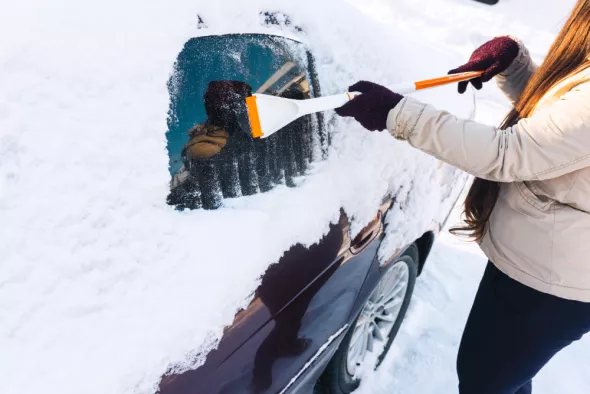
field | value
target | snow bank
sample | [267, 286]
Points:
[103, 287]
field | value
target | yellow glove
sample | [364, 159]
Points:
[206, 141]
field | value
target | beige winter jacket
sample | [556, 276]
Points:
[539, 231]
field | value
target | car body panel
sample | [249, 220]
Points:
[285, 326]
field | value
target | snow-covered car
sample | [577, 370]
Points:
[321, 314]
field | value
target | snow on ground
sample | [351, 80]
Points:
[422, 359]
[103, 287]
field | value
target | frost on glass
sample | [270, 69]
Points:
[211, 154]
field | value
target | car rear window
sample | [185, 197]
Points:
[210, 160]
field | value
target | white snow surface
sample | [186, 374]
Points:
[103, 287]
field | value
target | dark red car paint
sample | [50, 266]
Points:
[305, 298]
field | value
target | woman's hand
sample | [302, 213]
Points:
[493, 58]
[371, 108]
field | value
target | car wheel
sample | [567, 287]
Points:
[376, 326]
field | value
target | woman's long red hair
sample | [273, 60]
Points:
[568, 54]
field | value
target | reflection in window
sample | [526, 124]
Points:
[212, 156]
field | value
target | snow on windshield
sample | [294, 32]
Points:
[103, 286]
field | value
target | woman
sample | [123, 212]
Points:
[529, 207]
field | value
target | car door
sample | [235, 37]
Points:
[302, 301]
[308, 294]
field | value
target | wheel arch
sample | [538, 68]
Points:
[424, 245]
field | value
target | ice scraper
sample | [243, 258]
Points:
[267, 114]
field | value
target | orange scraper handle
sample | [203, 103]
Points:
[431, 83]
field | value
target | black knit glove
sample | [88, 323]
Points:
[224, 105]
[493, 58]
[371, 108]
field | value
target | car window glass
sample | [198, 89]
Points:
[211, 155]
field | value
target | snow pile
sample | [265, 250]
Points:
[103, 287]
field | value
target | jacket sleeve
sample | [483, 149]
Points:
[514, 79]
[553, 142]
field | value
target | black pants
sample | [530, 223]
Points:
[512, 332]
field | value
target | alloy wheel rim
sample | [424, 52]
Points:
[378, 317]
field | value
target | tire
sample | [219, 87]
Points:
[338, 378]
[488, 2]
